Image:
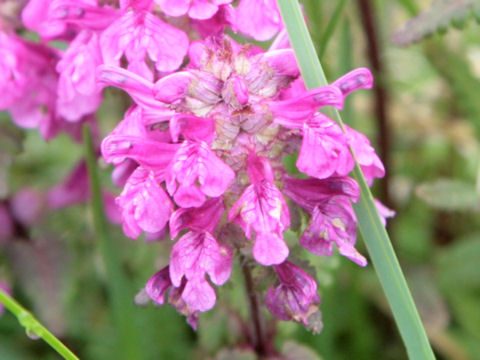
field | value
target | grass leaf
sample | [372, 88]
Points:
[374, 233]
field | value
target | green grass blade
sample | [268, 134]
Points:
[120, 297]
[332, 25]
[376, 238]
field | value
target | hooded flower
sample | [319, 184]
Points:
[157, 287]
[332, 218]
[139, 33]
[196, 9]
[259, 19]
[145, 205]
[214, 134]
[295, 297]
[78, 89]
[263, 208]
[195, 162]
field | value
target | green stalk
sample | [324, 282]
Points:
[33, 327]
[120, 298]
[376, 238]
[332, 25]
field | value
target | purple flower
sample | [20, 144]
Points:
[215, 133]
[324, 150]
[196, 254]
[295, 298]
[27, 206]
[196, 9]
[145, 205]
[204, 218]
[78, 89]
[259, 19]
[368, 160]
[157, 287]
[195, 162]
[64, 18]
[332, 218]
[263, 207]
[138, 34]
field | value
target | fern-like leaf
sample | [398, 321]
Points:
[440, 15]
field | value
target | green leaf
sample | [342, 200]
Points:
[376, 238]
[437, 18]
[449, 194]
[456, 265]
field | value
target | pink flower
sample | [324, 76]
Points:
[27, 206]
[28, 83]
[63, 18]
[138, 34]
[75, 189]
[145, 205]
[196, 9]
[333, 222]
[204, 218]
[78, 89]
[263, 207]
[324, 150]
[157, 287]
[332, 218]
[259, 19]
[193, 256]
[384, 212]
[368, 160]
[132, 140]
[295, 298]
[216, 132]
[195, 162]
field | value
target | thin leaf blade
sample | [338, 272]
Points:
[371, 227]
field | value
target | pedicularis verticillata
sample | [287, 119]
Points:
[201, 150]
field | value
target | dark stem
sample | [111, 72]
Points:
[381, 94]
[258, 338]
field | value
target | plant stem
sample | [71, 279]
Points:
[120, 298]
[259, 338]
[381, 94]
[34, 327]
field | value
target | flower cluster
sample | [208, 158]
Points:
[203, 146]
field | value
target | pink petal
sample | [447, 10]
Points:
[199, 295]
[202, 10]
[270, 249]
[174, 7]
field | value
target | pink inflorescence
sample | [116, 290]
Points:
[202, 149]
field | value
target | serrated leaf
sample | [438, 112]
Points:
[450, 195]
[440, 15]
